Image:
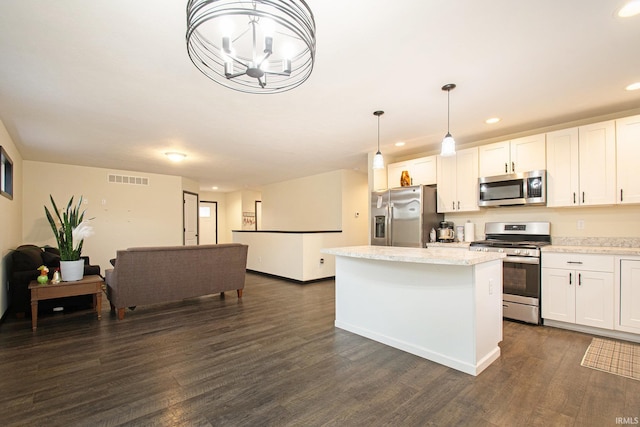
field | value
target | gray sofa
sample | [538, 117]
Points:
[154, 275]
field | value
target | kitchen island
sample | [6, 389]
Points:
[442, 304]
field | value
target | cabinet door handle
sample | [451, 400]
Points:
[574, 197]
[453, 205]
[583, 197]
[579, 279]
[506, 168]
[513, 167]
[570, 278]
[574, 262]
[458, 204]
[621, 199]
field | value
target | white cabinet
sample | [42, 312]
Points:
[629, 296]
[578, 288]
[422, 171]
[597, 163]
[518, 155]
[581, 166]
[457, 178]
[627, 156]
[563, 179]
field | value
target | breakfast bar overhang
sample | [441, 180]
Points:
[444, 305]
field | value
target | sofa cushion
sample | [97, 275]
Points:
[51, 259]
[27, 257]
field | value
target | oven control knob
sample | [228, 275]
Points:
[517, 251]
[525, 252]
[501, 250]
[486, 249]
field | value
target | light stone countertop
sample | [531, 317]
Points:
[602, 250]
[457, 245]
[444, 256]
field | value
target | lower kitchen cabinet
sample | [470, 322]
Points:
[630, 294]
[579, 289]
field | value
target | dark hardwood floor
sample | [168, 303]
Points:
[275, 358]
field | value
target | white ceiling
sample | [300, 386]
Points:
[108, 83]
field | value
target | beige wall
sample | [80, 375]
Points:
[10, 216]
[306, 204]
[604, 221]
[355, 207]
[125, 215]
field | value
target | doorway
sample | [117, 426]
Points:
[208, 223]
[190, 218]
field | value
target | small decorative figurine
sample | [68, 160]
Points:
[56, 276]
[405, 180]
[43, 277]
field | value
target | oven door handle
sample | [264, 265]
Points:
[522, 259]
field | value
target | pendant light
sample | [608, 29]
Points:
[448, 143]
[378, 161]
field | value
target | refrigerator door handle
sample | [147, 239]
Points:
[390, 226]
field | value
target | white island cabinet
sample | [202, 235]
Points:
[441, 304]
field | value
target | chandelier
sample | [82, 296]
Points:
[261, 46]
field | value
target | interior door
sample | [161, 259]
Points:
[208, 234]
[190, 218]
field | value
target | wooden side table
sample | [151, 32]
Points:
[87, 285]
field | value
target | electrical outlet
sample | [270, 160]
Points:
[490, 286]
[580, 224]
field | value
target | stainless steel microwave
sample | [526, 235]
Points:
[527, 188]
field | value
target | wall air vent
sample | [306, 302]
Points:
[127, 179]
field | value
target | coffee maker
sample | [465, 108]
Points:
[445, 232]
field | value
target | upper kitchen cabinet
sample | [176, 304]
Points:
[581, 166]
[563, 185]
[422, 171]
[627, 155]
[457, 178]
[518, 155]
[597, 163]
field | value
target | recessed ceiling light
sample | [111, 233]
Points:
[214, 188]
[175, 156]
[492, 120]
[399, 144]
[633, 86]
[631, 8]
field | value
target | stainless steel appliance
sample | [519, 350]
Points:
[527, 188]
[521, 267]
[403, 216]
[445, 232]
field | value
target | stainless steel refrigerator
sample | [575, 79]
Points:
[404, 216]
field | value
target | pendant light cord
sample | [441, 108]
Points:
[448, 109]
[378, 133]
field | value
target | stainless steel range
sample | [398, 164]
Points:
[521, 241]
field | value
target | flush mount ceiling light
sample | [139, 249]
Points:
[492, 120]
[633, 86]
[378, 161]
[261, 46]
[175, 156]
[631, 8]
[448, 143]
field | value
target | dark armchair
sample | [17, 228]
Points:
[25, 261]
